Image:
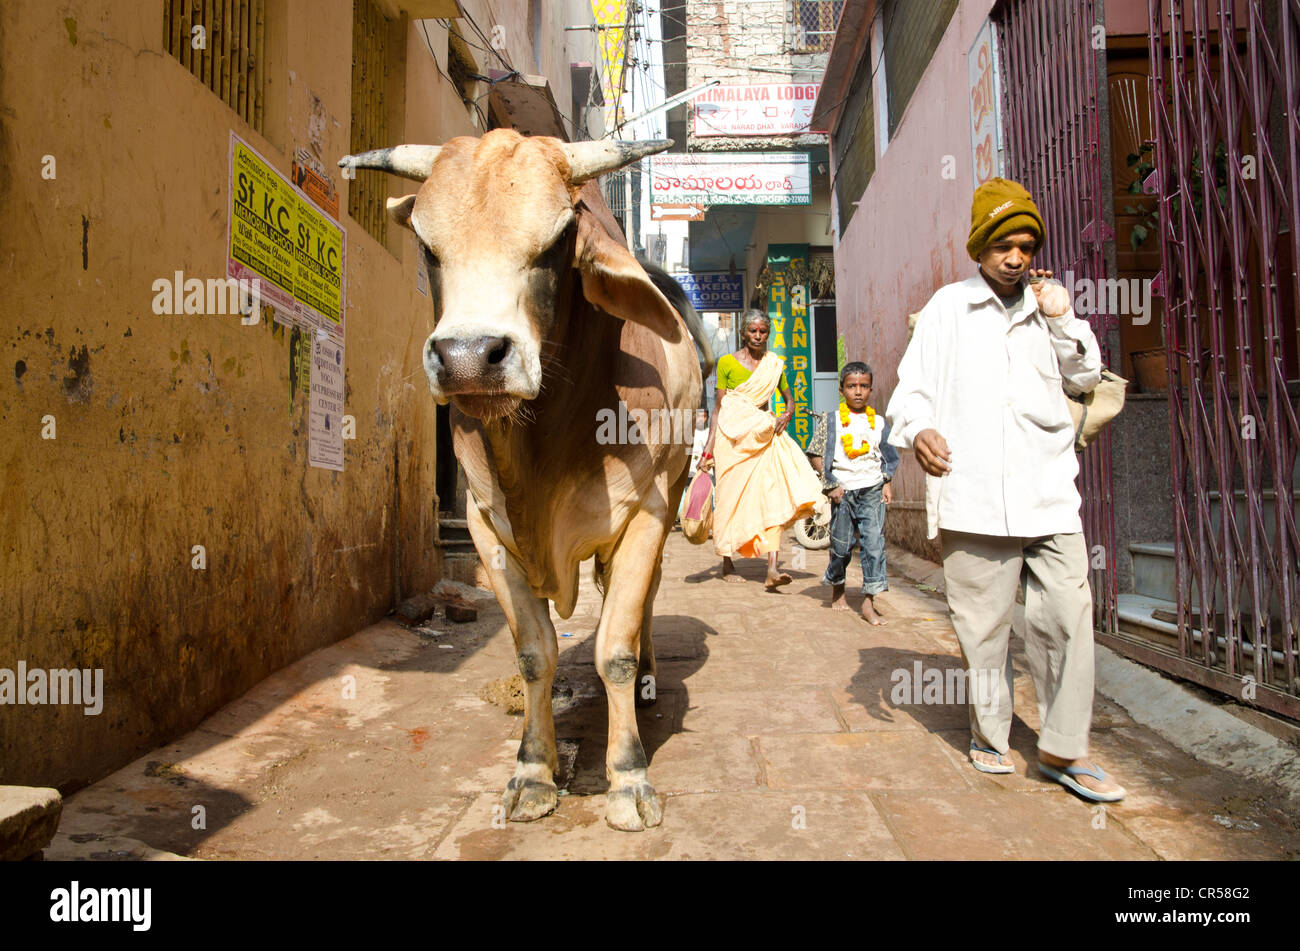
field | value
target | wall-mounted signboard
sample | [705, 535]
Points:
[279, 237]
[760, 109]
[985, 106]
[731, 178]
[714, 290]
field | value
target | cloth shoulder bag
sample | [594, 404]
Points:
[697, 517]
[1093, 411]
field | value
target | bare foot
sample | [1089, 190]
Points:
[775, 581]
[838, 601]
[869, 613]
[729, 572]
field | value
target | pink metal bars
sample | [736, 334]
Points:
[1052, 119]
[1225, 93]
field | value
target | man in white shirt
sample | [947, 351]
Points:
[981, 401]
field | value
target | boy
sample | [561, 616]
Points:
[862, 462]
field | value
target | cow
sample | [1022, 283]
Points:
[544, 319]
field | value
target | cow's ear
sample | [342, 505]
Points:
[400, 209]
[614, 281]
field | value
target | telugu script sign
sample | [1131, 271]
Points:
[761, 109]
[985, 108]
[731, 178]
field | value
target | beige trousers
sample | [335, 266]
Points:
[982, 573]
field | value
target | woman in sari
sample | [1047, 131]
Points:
[764, 481]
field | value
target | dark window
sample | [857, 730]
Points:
[224, 46]
[912, 33]
[368, 192]
[854, 145]
[825, 333]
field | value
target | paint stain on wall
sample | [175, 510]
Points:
[78, 383]
[85, 243]
[70, 24]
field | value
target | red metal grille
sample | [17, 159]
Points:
[1051, 115]
[1226, 98]
[814, 23]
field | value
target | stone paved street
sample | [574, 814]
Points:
[774, 737]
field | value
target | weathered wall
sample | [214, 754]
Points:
[908, 239]
[176, 431]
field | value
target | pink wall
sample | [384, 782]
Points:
[908, 236]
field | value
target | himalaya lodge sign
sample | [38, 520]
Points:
[757, 109]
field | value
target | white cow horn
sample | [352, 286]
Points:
[409, 161]
[589, 159]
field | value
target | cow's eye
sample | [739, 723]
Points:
[557, 247]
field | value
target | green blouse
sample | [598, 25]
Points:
[731, 374]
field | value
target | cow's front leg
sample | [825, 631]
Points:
[646, 672]
[631, 803]
[531, 792]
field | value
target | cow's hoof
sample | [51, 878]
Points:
[528, 799]
[633, 808]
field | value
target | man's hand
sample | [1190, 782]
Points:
[932, 452]
[836, 495]
[887, 493]
[1053, 299]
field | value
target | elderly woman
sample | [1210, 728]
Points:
[764, 481]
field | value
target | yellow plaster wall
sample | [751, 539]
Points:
[176, 431]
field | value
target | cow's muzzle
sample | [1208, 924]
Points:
[484, 374]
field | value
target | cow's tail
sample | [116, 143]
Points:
[598, 569]
[669, 287]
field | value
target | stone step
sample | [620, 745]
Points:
[1153, 569]
[1136, 617]
[29, 817]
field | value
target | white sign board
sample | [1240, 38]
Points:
[760, 109]
[731, 178]
[325, 408]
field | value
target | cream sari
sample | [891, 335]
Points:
[764, 480]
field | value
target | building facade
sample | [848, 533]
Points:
[194, 496]
[755, 125]
[1175, 246]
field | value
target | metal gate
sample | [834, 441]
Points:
[1052, 107]
[1226, 101]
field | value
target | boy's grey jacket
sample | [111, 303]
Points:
[826, 435]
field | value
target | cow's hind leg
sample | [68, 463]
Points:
[531, 792]
[631, 803]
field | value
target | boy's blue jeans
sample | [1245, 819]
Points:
[863, 510]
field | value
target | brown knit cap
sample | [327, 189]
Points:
[1001, 207]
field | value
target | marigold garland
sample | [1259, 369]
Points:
[846, 439]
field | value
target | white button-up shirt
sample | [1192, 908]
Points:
[990, 381]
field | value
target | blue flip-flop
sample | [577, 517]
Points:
[985, 767]
[1065, 776]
